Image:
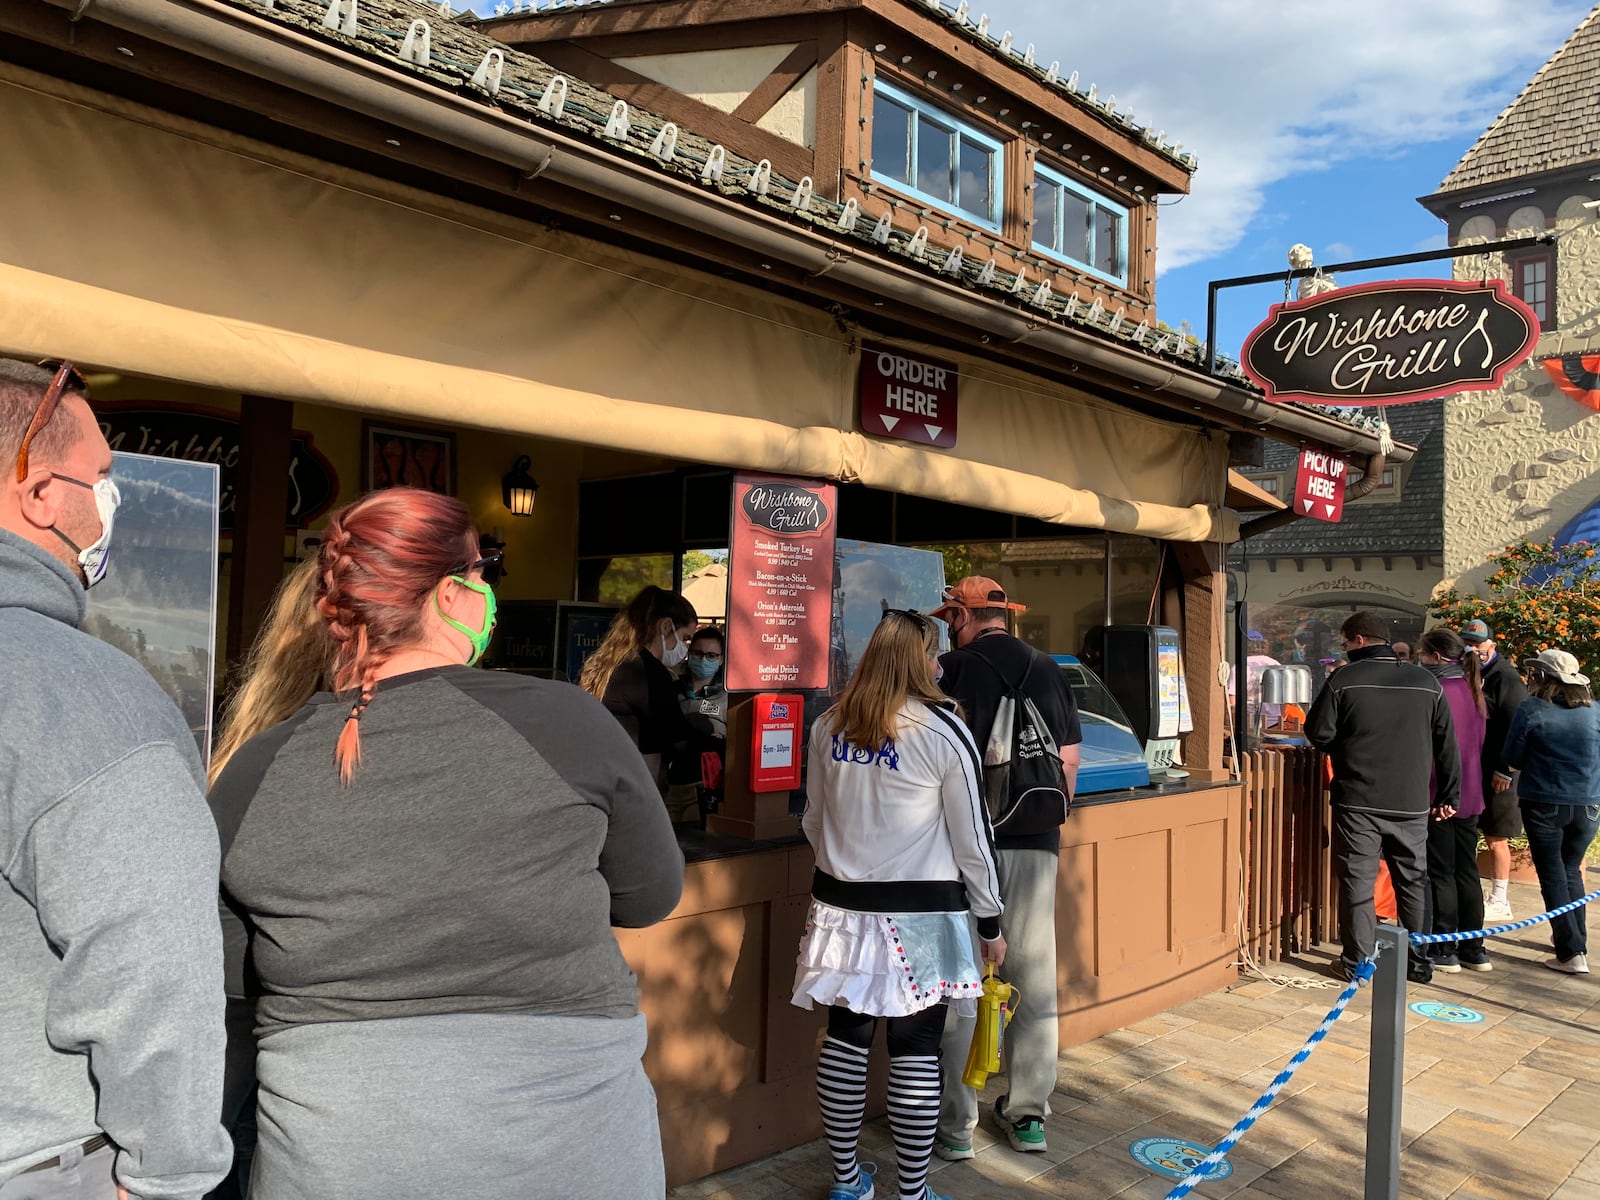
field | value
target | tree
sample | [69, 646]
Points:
[1540, 595]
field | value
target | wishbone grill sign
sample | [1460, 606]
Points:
[1391, 342]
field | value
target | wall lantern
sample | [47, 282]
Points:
[518, 489]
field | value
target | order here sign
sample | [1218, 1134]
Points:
[908, 396]
[1319, 488]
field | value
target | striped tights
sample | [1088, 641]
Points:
[914, 1086]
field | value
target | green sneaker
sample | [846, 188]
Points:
[1026, 1134]
[952, 1151]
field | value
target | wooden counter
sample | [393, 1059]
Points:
[1146, 911]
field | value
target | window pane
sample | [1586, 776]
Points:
[1107, 241]
[935, 173]
[891, 139]
[1046, 224]
[976, 193]
[1075, 226]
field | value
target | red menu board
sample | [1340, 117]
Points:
[780, 583]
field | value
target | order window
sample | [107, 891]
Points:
[931, 154]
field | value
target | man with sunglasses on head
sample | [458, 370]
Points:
[987, 665]
[111, 1002]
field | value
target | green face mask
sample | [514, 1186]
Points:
[478, 637]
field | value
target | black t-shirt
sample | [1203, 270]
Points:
[979, 690]
[643, 695]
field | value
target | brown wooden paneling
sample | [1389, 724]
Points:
[776, 85]
[704, 20]
[712, 123]
[261, 499]
[833, 80]
[1134, 882]
[1200, 894]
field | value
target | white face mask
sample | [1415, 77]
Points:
[95, 557]
[673, 655]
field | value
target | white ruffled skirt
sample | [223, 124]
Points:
[887, 964]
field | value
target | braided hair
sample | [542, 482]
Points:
[380, 558]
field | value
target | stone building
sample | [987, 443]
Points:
[1522, 461]
[1491, 466]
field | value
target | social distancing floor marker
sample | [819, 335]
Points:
[1451, 1014]
[1174, 1158]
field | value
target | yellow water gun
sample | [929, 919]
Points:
[995, 1009]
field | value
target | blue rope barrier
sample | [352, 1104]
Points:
[1472, 935]
[1197, 1176]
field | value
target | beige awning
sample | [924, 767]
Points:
[176, 250]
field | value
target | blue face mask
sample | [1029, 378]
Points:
[704, 668]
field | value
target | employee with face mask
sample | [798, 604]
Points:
[111, 1001]
[703, 696]
[429, 861]
[632, 672]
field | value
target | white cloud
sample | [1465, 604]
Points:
[1263, 90]
[1336, 252]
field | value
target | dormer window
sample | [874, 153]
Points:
[922, 150]
[1076, 224]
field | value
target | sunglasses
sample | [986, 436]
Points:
[491, 568]
[921, 622]
[66, 379]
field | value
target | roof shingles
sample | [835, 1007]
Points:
[1553, 123]
[1411, 524]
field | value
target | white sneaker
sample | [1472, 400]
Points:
[1578, 964]
[1497, 914]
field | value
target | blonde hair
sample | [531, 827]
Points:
[895, 668]
[286, 665]
[630, 632]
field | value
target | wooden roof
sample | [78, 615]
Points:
[1554, 122]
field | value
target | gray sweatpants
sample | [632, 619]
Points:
[479, 1106]
[77, 1178]
[1028, 886]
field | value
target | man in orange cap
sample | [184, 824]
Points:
[987, 665]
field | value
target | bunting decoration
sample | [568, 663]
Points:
[1578, 375]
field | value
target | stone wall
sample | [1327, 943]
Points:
[1523, 460]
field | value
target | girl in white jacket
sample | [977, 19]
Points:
[904, 851]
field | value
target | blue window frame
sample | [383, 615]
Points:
[926, 152]
[1077, 224]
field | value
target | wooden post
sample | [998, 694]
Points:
[261, 502]
[1205, 591]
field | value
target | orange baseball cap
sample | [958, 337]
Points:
[975, 591]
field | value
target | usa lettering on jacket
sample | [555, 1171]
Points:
[885, 756]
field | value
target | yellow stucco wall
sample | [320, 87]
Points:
[1522, 461]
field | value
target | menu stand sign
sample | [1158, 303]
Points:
[780, 576]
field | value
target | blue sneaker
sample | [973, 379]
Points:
[929, 1194]
[861, 1189]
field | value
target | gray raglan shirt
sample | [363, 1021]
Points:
[111, 1001]
[497, 828]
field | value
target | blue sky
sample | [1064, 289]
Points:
[1314, 122]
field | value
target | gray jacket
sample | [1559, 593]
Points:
[111, 999]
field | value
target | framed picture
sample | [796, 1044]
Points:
[394, 455]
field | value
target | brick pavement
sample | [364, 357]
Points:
[1502, 1110]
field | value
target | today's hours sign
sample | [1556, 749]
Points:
[908, 396]
[1391, 342]
[1319, 487]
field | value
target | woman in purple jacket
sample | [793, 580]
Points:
[1453, 841]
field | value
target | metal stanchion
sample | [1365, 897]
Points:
[1386, 1065]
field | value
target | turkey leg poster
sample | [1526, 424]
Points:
[780, 583]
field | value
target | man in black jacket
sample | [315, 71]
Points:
[1387, 727]
[1503, 693]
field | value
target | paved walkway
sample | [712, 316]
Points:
[1502, 1110]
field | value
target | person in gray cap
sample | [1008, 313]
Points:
[1555, 742]
[1503, 692]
